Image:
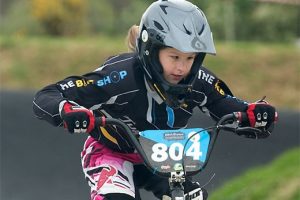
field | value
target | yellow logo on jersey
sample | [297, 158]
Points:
[83, 83]
[218, 88]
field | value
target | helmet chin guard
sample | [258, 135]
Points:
[175, 24]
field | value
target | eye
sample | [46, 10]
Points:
[174, 57]
[190, 58]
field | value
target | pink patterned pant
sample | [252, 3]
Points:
[108, 171]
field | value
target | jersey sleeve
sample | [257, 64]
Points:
[92, 90]
[82, 90]
[220, 99]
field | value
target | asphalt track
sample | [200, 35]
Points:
[39, 161]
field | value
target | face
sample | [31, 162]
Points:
[176, 64]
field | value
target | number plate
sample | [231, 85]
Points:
[165, 149]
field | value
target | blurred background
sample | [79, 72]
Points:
[257, 42]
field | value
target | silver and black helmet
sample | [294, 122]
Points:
[178, 24]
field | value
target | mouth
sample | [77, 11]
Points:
[177, 77]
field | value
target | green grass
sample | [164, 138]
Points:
[275, 181]
[35, 62]
[251, 70]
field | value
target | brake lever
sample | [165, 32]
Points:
[250, 129]
[234, 127]
[230, 126]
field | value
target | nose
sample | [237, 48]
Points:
[180, 66]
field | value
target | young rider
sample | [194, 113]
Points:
[155, 87]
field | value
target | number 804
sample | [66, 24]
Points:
[160, 151]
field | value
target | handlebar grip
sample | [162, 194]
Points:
[241, 116]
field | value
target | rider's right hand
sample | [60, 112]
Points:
[76, 119]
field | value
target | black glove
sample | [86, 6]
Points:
[261, 115]
[77, 119]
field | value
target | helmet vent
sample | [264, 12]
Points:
[164, 9]
[158, 25]
[202, 29]
[187, 31]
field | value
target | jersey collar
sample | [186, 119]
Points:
[152, 93]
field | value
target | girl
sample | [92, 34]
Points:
[157, 86]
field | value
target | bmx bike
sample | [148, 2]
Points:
[177, 154]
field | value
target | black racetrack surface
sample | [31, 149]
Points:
[39, 161]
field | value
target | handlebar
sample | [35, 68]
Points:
[227, 122]
[236, 116]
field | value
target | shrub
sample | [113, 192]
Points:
[60, 17]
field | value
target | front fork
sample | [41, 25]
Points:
[176, 185]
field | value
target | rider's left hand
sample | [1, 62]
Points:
[261, 115]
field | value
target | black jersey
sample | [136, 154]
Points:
[119, 89]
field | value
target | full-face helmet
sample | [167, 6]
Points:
[178, 24]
